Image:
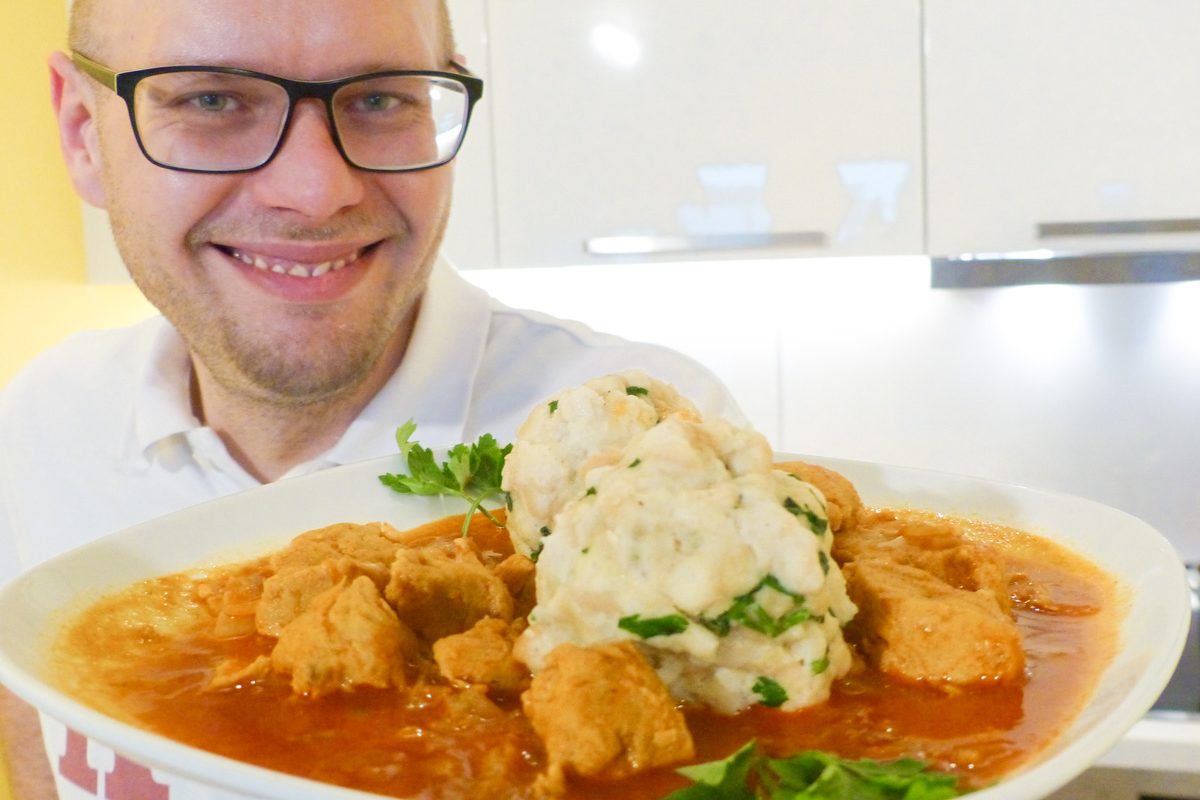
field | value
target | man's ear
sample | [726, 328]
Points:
[75, 109]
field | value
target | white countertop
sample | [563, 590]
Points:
[1167, 741]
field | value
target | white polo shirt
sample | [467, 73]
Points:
[98, 434]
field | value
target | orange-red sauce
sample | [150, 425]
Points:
[434, 741]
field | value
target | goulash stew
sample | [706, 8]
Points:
[661, 594]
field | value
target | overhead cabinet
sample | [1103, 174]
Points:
[625, 130]
[1062, 126]
[681, 129]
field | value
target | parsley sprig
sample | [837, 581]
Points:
[470, 471]
[813, 775]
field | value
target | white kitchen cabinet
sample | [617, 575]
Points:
[470, 240]
[1062, 125]
[626, 130]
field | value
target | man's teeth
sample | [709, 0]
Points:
[294, 269]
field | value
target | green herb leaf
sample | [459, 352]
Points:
[653, 626]
[472, 472]
[637, 391]
[719, 780]
[403, 434]
[773, 695]
[814, 775]
[816, 523]
[553, 406]
[748, 612]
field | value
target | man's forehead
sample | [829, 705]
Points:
[298, 38]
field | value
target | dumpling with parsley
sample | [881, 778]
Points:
[685, 540]
[576, 430]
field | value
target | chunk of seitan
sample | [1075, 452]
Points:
[288, 593]
[483, 656]
[347, 637]
[931, 543]
[373, 542]
[318, 560]
[603, 712]
[437, 593]
[233, 599]
[518, 573]
[915, 626]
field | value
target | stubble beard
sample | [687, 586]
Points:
[334, 363]
[248, 359]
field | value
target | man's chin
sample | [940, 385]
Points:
[286, 386]
[275, 377]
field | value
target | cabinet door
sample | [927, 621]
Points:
[470, 241]
[1063, 125]
[704, 128]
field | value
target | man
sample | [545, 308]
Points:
[289, 234]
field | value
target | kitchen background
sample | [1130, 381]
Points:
[953, 234]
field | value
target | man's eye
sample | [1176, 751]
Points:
[379, 102]
[212, 102]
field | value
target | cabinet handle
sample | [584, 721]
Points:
[652, 245]
[1047, 230]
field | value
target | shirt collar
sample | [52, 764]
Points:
[433, 385]
[162, 403]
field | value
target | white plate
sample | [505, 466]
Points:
[250, 523]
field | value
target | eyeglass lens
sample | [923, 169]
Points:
[220, 121]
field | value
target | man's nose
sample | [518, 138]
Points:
[308, 174]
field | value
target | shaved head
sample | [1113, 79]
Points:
[86, 28]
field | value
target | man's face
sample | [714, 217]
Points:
[354, 247]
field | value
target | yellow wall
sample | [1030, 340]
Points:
[43, 293]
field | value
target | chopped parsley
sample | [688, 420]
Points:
[820, 665]
[634, 463]
[472, 472]
[816, 523]
[748, 612]
[773, 695]
[553, 406]
[653, 626]
[637, 391]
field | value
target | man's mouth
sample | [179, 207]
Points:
[297, 269]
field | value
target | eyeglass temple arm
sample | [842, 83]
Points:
[99, 72]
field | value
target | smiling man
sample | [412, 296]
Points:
[295, 285]
[278, 174]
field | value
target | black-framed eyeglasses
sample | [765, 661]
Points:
[225, 119]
